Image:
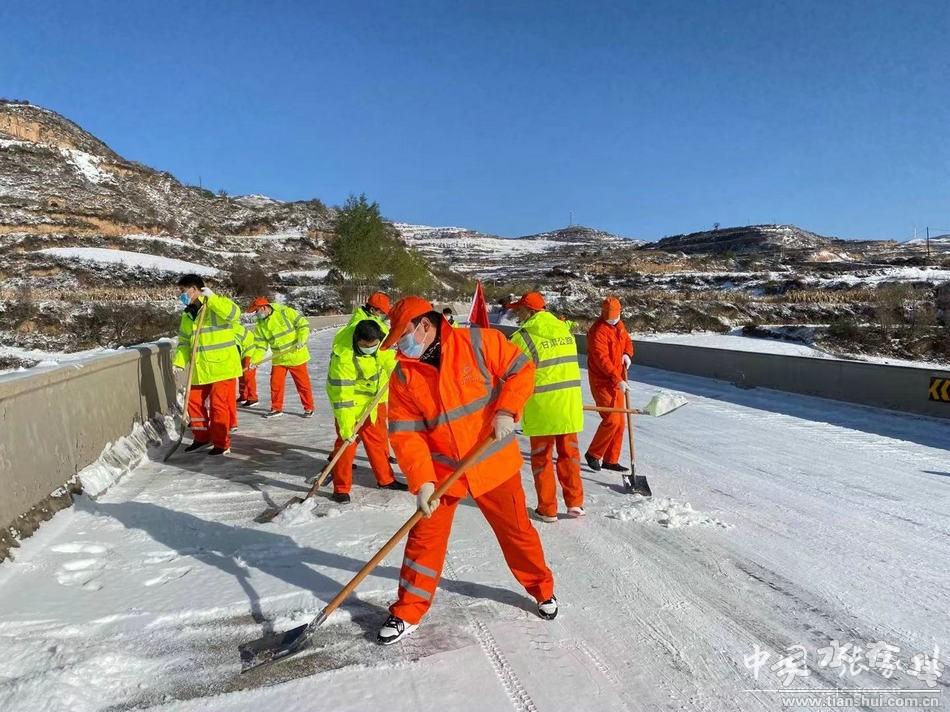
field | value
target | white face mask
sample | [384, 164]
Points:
[614, 322]
[368, 350]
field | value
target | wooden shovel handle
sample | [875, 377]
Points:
[630, 411]
[443, 487]
[608, 409]
[325, 472]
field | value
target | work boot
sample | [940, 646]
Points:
[308, 414]
[592, 462]
[340, 497]
[548, 609]
[196, 446]
[274, 414]
[395, 485]
[545, 517]
[216, 451]
[394, 630]
[615, 466]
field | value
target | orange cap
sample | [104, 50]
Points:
[610, 308]
[380, 301]
[257, 304]
[406, 309]
[531, 300]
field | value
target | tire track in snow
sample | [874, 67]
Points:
[520, 699]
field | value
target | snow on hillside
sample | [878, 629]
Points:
[735, 343]
[778, 521]
[143, 260]
[87, 165]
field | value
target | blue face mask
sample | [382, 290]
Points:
[409, 347]
[368, 350]
[184, 298]
[614, 322]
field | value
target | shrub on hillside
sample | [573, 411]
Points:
[247, 279]
[124, 324]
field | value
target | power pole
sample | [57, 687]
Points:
[928, 242]
[571, 223]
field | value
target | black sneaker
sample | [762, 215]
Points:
[615, 466]
[308, 414]
[395, 485]
[196, 446]
[394, 630]
[249, 403]
[216, 451]
[548, 609]
[340, 497]
[274, 414]
[592, 462]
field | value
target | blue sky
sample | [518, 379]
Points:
[643, 118]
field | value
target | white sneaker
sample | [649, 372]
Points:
[548, 609]
[576, 512]
[544, 517]
[394, 630]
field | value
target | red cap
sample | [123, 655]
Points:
[531, 300]
[405, 311]
[610, 308]
[380, 301]
[257, 304]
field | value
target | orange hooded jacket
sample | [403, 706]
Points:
[437, 416]
[606, 345]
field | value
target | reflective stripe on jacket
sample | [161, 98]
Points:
[217, 359]
[556, 407]
[439, 415]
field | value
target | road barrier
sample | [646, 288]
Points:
[55, 422]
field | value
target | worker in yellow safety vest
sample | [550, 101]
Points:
[358, 371]
[211, 404]
[285, 332]
[555, 412]
[376, 308]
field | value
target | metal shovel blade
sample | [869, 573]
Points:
[274, 646]
[268, 515]
[637, 484]
[663, 403]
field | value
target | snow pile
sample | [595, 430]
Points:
[87, 165]
[100, 255]
[666, 512]
[302, 513]
[664, 402]
[119, 458]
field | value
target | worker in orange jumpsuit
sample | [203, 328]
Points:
[609, 353]
[452, 389]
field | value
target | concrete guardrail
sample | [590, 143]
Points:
[902, 388]
[54, 423]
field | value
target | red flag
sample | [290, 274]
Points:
[478, 316]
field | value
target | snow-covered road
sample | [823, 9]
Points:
[778, 521]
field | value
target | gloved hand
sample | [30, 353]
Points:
[346, 431]
[623, 386]
[252, 367]
[504, 425]
[422, 499]
[206, 292]
[626, 361]
[178, 370]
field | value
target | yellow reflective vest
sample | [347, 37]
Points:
[285, 332]
[361, 315]
[354, 379]
[217, 358]
[244, 338]
[556, 407]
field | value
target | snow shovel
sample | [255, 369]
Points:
[634, 482]
[185, 418]
[280, 646]
[268, 514]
